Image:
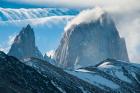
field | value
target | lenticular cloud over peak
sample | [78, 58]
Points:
[86, 16]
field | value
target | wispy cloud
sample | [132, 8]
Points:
[130, 30]
[86, 16]
[4, 49]
[1, 49]
[7, 45]
[11, 39]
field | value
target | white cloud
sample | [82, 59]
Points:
[50, 53]
[11, 39]
[6, 46]
[4, 49]
[86, 16]
[131, 31]
[108, 4]
[1, 49]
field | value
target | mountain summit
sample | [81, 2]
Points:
[88, 39]
[24, 45]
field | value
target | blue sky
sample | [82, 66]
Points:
[126, 14]
[14, 4]
[48, 32]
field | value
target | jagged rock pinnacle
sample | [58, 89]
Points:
[24, 45]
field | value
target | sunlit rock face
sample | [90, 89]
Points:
[24, 45]
[90, 41]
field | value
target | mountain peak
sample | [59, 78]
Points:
[28, 26]
[24, 44]
[27, 30]
[89, 39]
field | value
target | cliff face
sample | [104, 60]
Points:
[90, 42]
[24, 45]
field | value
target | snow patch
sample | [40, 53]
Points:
[82, 70]
[94, 79]
[114, 71]
[26, 59]
[106, 65]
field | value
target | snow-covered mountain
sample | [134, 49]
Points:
[24, 45]
[88, 39]
[7, 14]
[121, 76]
[37, 76]
[109, 76]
